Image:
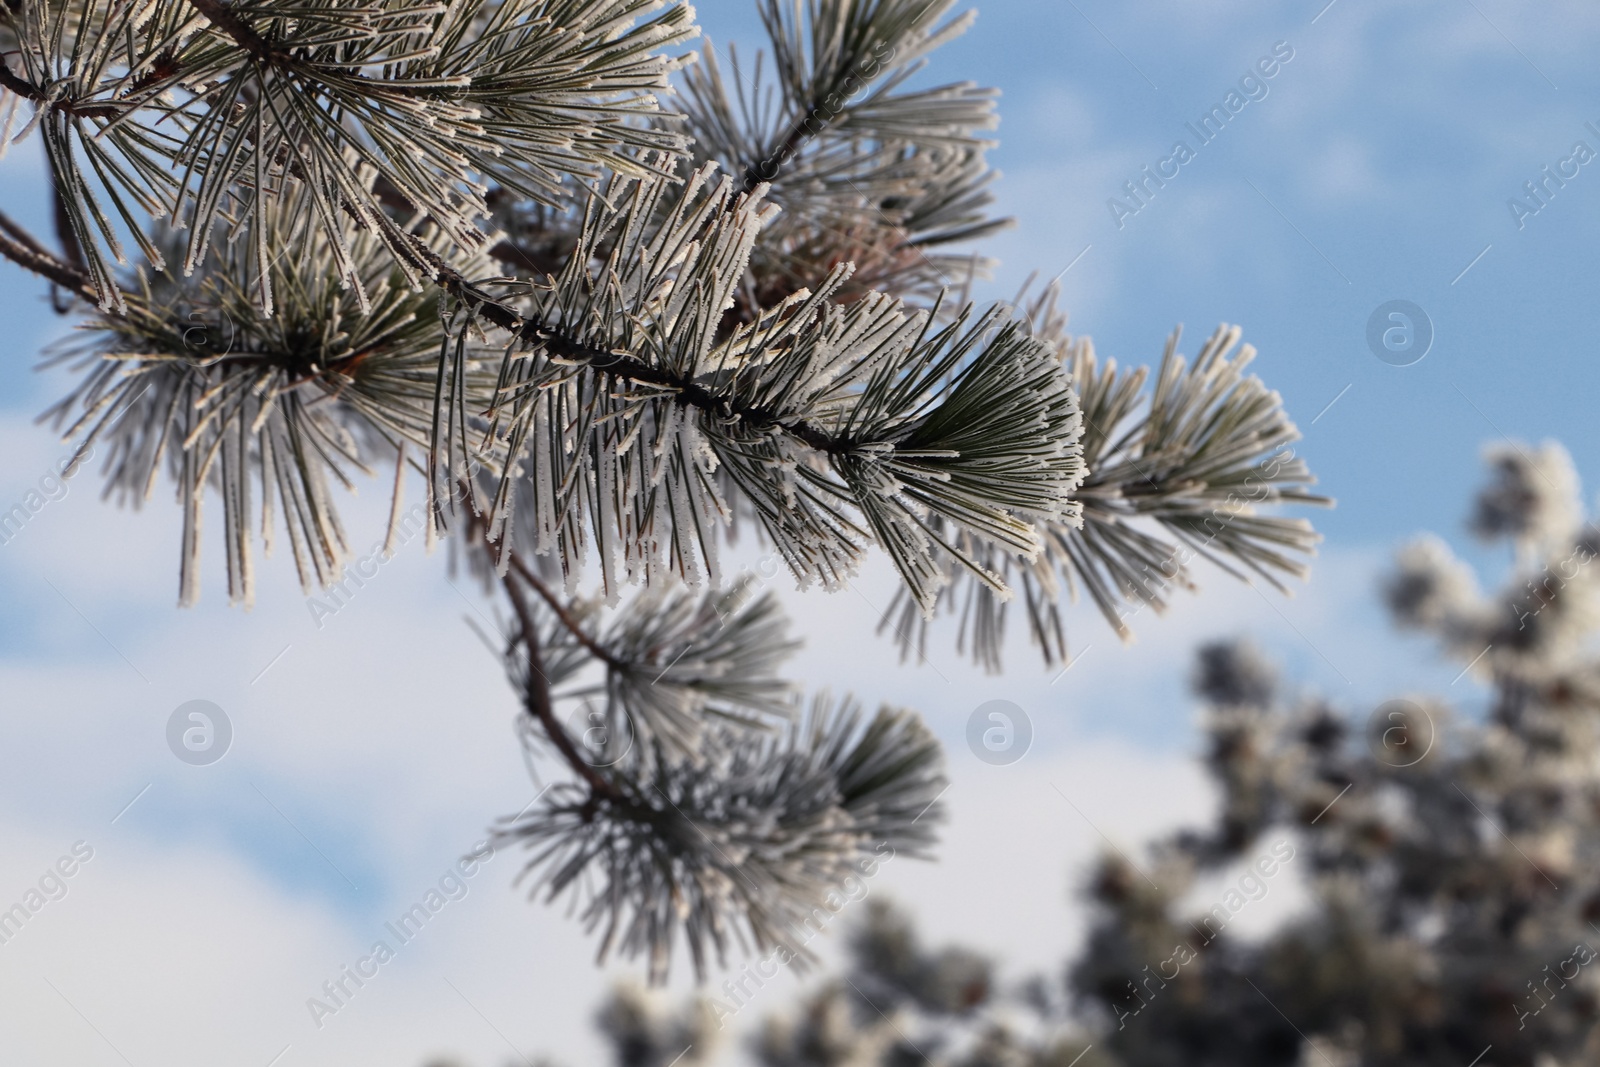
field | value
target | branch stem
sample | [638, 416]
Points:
[24, 88]
[624, 366]
[223, 18]
[23, 249]
[617, 364]
[593, 647]
[539, 704]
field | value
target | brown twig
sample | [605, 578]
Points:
[224, 19]
[799, 133]
[23, 249]
[620, 364]
[15, 229]
[540, 705]
[593, 647]
[29, 91]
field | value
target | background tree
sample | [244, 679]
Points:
[1450, 853]
[482, 243]
[1448, 857]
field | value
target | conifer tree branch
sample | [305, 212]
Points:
[626, 367]
[576, 628]
[228, 21]
[866, 170]
[538, 702]
[754, 172]
[835, 424]
[28, 253]
[18, 231]
[308, 179]
[224, 18]
[19, 85]
[17, 245]
[26, 89]
[198, 111]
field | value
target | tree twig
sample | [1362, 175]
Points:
[230, 22]
[17, 245]
[798, 134]
[593, 647]
[539, 704]
[26, 89]
[224, 19]
[620, 364]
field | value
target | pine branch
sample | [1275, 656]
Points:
[573, 625]
[624, 367]
[669, 660]
[866, 171]
[66, 105]
[738, 845]
[688, 360]
[197, 382]
[725, 832]
[225, 19]
[537, 698]
[199, 110]
[868, 406]
[1176, 475]
[26, 251]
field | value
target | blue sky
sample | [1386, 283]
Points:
[1377, 166]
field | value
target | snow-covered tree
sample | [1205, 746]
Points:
[1450, 853]
[608, 300]
[1448, 860]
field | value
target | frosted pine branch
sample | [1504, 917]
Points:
[191, 111]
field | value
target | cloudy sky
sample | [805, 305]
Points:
[1377, 164]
